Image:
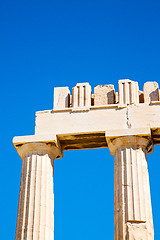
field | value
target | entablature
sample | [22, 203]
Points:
[80, 120]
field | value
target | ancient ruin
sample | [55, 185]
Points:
[127, 122]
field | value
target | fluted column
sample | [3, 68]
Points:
[35, 220]
[132, 200]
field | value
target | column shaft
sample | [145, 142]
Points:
[133, 213]
[35, 219]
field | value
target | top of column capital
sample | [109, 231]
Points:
[38, 143]
[139, 137]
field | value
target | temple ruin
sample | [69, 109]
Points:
[127, 122]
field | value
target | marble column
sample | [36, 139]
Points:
[35, 220]
[132, 200]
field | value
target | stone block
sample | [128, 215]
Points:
[81, 95]
[128, 92]
[61, 97]
[151, 92]
[104, 94]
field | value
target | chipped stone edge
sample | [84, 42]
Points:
[46, 140]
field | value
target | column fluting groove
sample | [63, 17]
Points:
[35, 201]
[132, 195]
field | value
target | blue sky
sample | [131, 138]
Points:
[46, 44]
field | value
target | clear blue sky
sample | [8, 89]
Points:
[59, 43]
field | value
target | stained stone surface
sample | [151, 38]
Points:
[128, 122]
[151, 92]
[132, 200]
[104, 94]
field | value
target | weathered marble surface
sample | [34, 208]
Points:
[128, 122]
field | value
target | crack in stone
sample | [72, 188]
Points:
[127, 117]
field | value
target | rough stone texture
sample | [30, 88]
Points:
[137, 231]
[151, 92]
[104, 94]
[61, 97]
[128, 92]
[132, 201]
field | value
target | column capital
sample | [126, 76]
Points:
[38, 143]
[129, 137]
